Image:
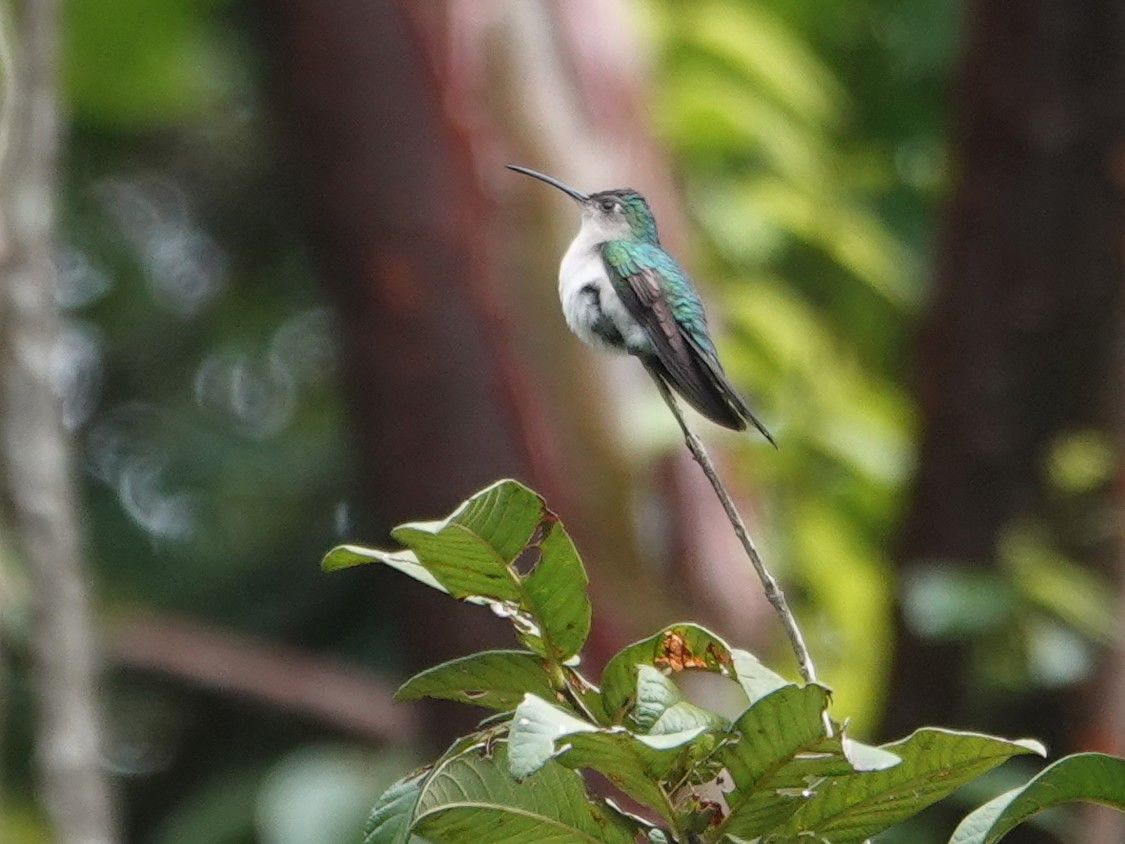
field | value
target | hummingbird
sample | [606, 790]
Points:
[622, 292]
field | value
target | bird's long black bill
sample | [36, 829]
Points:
[551, 180]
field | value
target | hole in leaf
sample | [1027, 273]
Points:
[541, 530]
[526, 561]
[603, 785]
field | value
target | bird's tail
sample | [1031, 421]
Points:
[712, 395]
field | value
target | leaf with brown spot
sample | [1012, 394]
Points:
[676, 655]
[679, 647]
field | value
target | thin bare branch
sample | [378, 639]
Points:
[773, 592]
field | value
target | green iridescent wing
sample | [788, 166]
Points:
[660, 296]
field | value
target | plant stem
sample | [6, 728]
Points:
[773, 592]
[563, 683]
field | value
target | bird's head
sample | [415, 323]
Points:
[618, 214]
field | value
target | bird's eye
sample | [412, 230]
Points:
[608, 205]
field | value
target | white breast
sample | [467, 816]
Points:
[581, 268]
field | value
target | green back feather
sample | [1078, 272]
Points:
[629, 257]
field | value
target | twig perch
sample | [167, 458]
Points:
[773, 592]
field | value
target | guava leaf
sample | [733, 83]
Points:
[501, 547]
[653, 695]
[348, 556]
[756, 680]
[536, 724]
[391, 818]
[853, 807]
[680, 647]
[480, 550]
[782, 748]
[634, 763]
[1092, 777]
[492, 679]
[473, 798]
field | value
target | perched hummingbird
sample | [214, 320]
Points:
[621, 291]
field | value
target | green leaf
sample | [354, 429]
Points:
[462, 561]
[634, 763]
[756, 680]
[348, 556]
[660, 707]
[1093, 777]
[478, 554]
[556, 591]
[685, 716]
[531, 738]
[865, 757]
[653, 696]
[390, 820]
[493, 679]
[781, 745]
[853, 807]
[477, 551]
[680, 647]
[470, 551]
[472, 798]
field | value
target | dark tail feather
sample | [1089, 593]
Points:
[700, 393]
[712, 395]
[729, 394]
[757, 423]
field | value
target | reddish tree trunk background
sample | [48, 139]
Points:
[1024, 332]
[458, 364]
[390, 204]
[448, 393]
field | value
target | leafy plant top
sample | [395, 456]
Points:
[782, 770]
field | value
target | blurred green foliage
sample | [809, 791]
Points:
[810, 141]
[145, 64]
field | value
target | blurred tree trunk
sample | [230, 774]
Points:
[446, 394]
[459, 365]
[1025, 327]
[392, 209]
[36, 456]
